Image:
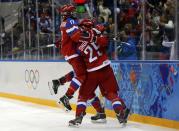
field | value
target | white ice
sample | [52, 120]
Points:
[22, 116]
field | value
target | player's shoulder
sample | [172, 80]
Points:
[70, 22]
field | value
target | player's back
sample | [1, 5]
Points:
[94, 56]
[68, 29]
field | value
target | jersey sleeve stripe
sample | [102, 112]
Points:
[73, 32]
[70, 57]
[116, 103]
[81, 103]
[76, 81]
[72, 29]
[105, 63]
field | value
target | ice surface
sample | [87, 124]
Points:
[22, 116]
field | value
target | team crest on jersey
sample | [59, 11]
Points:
[83, 45]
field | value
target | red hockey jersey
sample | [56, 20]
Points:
[93, 54]
[70, 34]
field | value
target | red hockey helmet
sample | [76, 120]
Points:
[87, 23]
[67, 9]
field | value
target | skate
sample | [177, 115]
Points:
[77, 121]
[123, 116]
[99, 118]
[53, 90]
[64, 101]
[55, 85]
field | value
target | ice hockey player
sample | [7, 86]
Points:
[100, 117]
[70, 35]
[97, 64]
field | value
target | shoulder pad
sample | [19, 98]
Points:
[70, 22]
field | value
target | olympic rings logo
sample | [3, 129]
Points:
[32, 78]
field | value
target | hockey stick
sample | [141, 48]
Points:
[88, 10]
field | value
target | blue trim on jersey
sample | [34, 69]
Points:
[72, 32]
[116, 105]
[79, 52]
[95, 100]
[70, 23]
[74, 85]
[81, 106]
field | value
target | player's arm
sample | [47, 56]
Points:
[101, 39]
[73, 30]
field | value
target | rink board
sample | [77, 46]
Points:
[150, 89]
